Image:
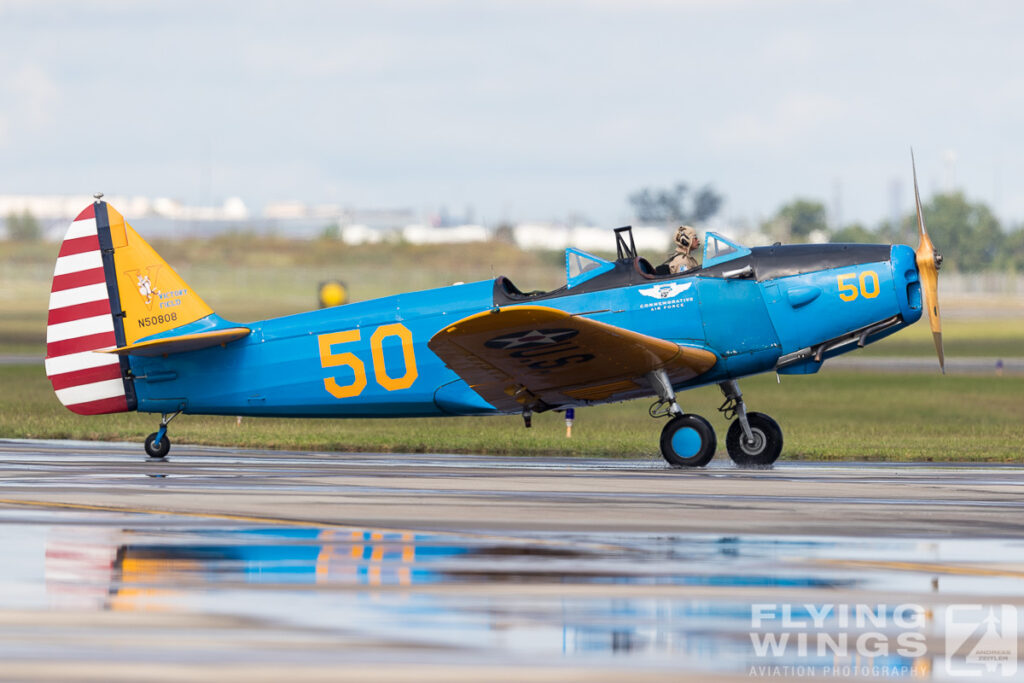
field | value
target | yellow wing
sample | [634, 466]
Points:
[536, 358]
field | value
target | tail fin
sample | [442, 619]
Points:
[109, 289]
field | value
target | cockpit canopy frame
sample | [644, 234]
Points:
[581, 266]
[718, 249]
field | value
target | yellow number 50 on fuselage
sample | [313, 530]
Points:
[869, 288]
[329, 359]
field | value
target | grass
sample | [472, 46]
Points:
[961, 337]
[830, 416]
[246, 278]
[833, 415]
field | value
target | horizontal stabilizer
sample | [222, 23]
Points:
[181, 343]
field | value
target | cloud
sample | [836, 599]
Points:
[549, 105]
[794, 119]
[33, 98]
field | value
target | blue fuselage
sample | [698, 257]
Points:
[371, 359]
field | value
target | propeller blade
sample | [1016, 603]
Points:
[928, 263]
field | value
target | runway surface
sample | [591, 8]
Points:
[321, 566]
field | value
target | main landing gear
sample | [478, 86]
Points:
[158, 444]
[753, 439]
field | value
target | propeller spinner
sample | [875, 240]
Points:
[928, 263]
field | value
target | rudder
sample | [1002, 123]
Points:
[110, 289]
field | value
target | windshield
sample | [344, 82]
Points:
[581, 266]
[718, 249]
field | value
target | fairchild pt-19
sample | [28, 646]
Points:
[125, 332]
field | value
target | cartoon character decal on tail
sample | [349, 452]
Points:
[144, 283]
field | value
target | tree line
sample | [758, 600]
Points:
[967, 233]
[23, 227]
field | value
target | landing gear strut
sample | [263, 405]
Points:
[754, 439]
[687, 440]
[158, 443]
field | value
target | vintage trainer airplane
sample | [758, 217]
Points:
[125, 332]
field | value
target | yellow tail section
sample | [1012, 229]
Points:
[154, 298]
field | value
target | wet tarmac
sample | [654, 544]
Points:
[224, 564]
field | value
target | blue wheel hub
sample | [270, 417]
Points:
[686, 442]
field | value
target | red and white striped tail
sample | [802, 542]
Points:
[81, 321]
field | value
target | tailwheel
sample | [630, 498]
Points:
[762, 448]
[158, 444]
[156, 449]
[688, 441]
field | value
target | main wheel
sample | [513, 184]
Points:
[765, 447]
[157, 451]
[688, 441]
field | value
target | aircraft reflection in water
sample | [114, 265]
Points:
[374, 558]
[136, 567]
[261, 572]
[293, 556]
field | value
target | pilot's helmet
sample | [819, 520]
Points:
[686, 237]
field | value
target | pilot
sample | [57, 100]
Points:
[687, 245]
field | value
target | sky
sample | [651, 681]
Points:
[524, 110]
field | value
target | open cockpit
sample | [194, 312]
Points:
[585, 272]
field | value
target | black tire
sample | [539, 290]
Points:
[157, 452]
[767, 441]
[688, 441]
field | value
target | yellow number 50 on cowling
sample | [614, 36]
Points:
[869, 288]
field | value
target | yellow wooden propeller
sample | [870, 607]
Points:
[928, 263]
